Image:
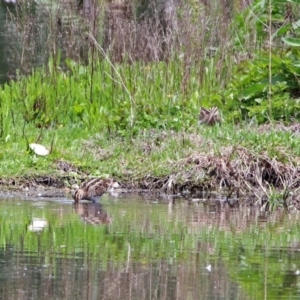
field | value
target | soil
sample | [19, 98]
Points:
[235, 172]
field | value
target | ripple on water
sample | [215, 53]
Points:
[134, 247]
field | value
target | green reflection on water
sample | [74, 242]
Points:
[258, 253]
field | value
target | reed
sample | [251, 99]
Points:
[158, 85]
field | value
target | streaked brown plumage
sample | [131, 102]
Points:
[92, 213]
[93, 189]
[209, 116]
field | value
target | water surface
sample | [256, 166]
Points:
[134, 247]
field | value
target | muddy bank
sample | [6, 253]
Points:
[236, 173]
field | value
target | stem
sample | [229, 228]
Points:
[132, 102]
[270, 62]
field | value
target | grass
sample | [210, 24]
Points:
[131, 112]
[220, 157]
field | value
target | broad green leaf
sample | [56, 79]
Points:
[253, 90]
[292, 41]
[285, 1]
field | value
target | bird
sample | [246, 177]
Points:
[93, 189]
[209, 116]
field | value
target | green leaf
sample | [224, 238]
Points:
[294, 1]
[78, 108]
[284, 1]
[253, 90]
[292, 41]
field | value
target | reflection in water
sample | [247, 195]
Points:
[151, 250]
[26, 275]
[92, 213]
[37, 224]
[34, 31]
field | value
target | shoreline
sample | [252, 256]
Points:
[259, 163]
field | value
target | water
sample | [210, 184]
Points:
[36, 30]
[4, 67]
[132, 247]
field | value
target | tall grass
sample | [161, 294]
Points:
[142, 71]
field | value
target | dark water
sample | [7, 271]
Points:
[132, 247]
[4, 67]
[32, 32]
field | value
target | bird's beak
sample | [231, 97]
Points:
[115, 185]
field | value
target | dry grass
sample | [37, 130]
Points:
[232, 170]
[126, 32]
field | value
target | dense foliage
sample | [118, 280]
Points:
[265, 84]
[250, 71]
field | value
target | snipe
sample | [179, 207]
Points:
[209, 116]
[93, 189]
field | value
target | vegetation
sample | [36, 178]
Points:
[124, 103]
[129, 108]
